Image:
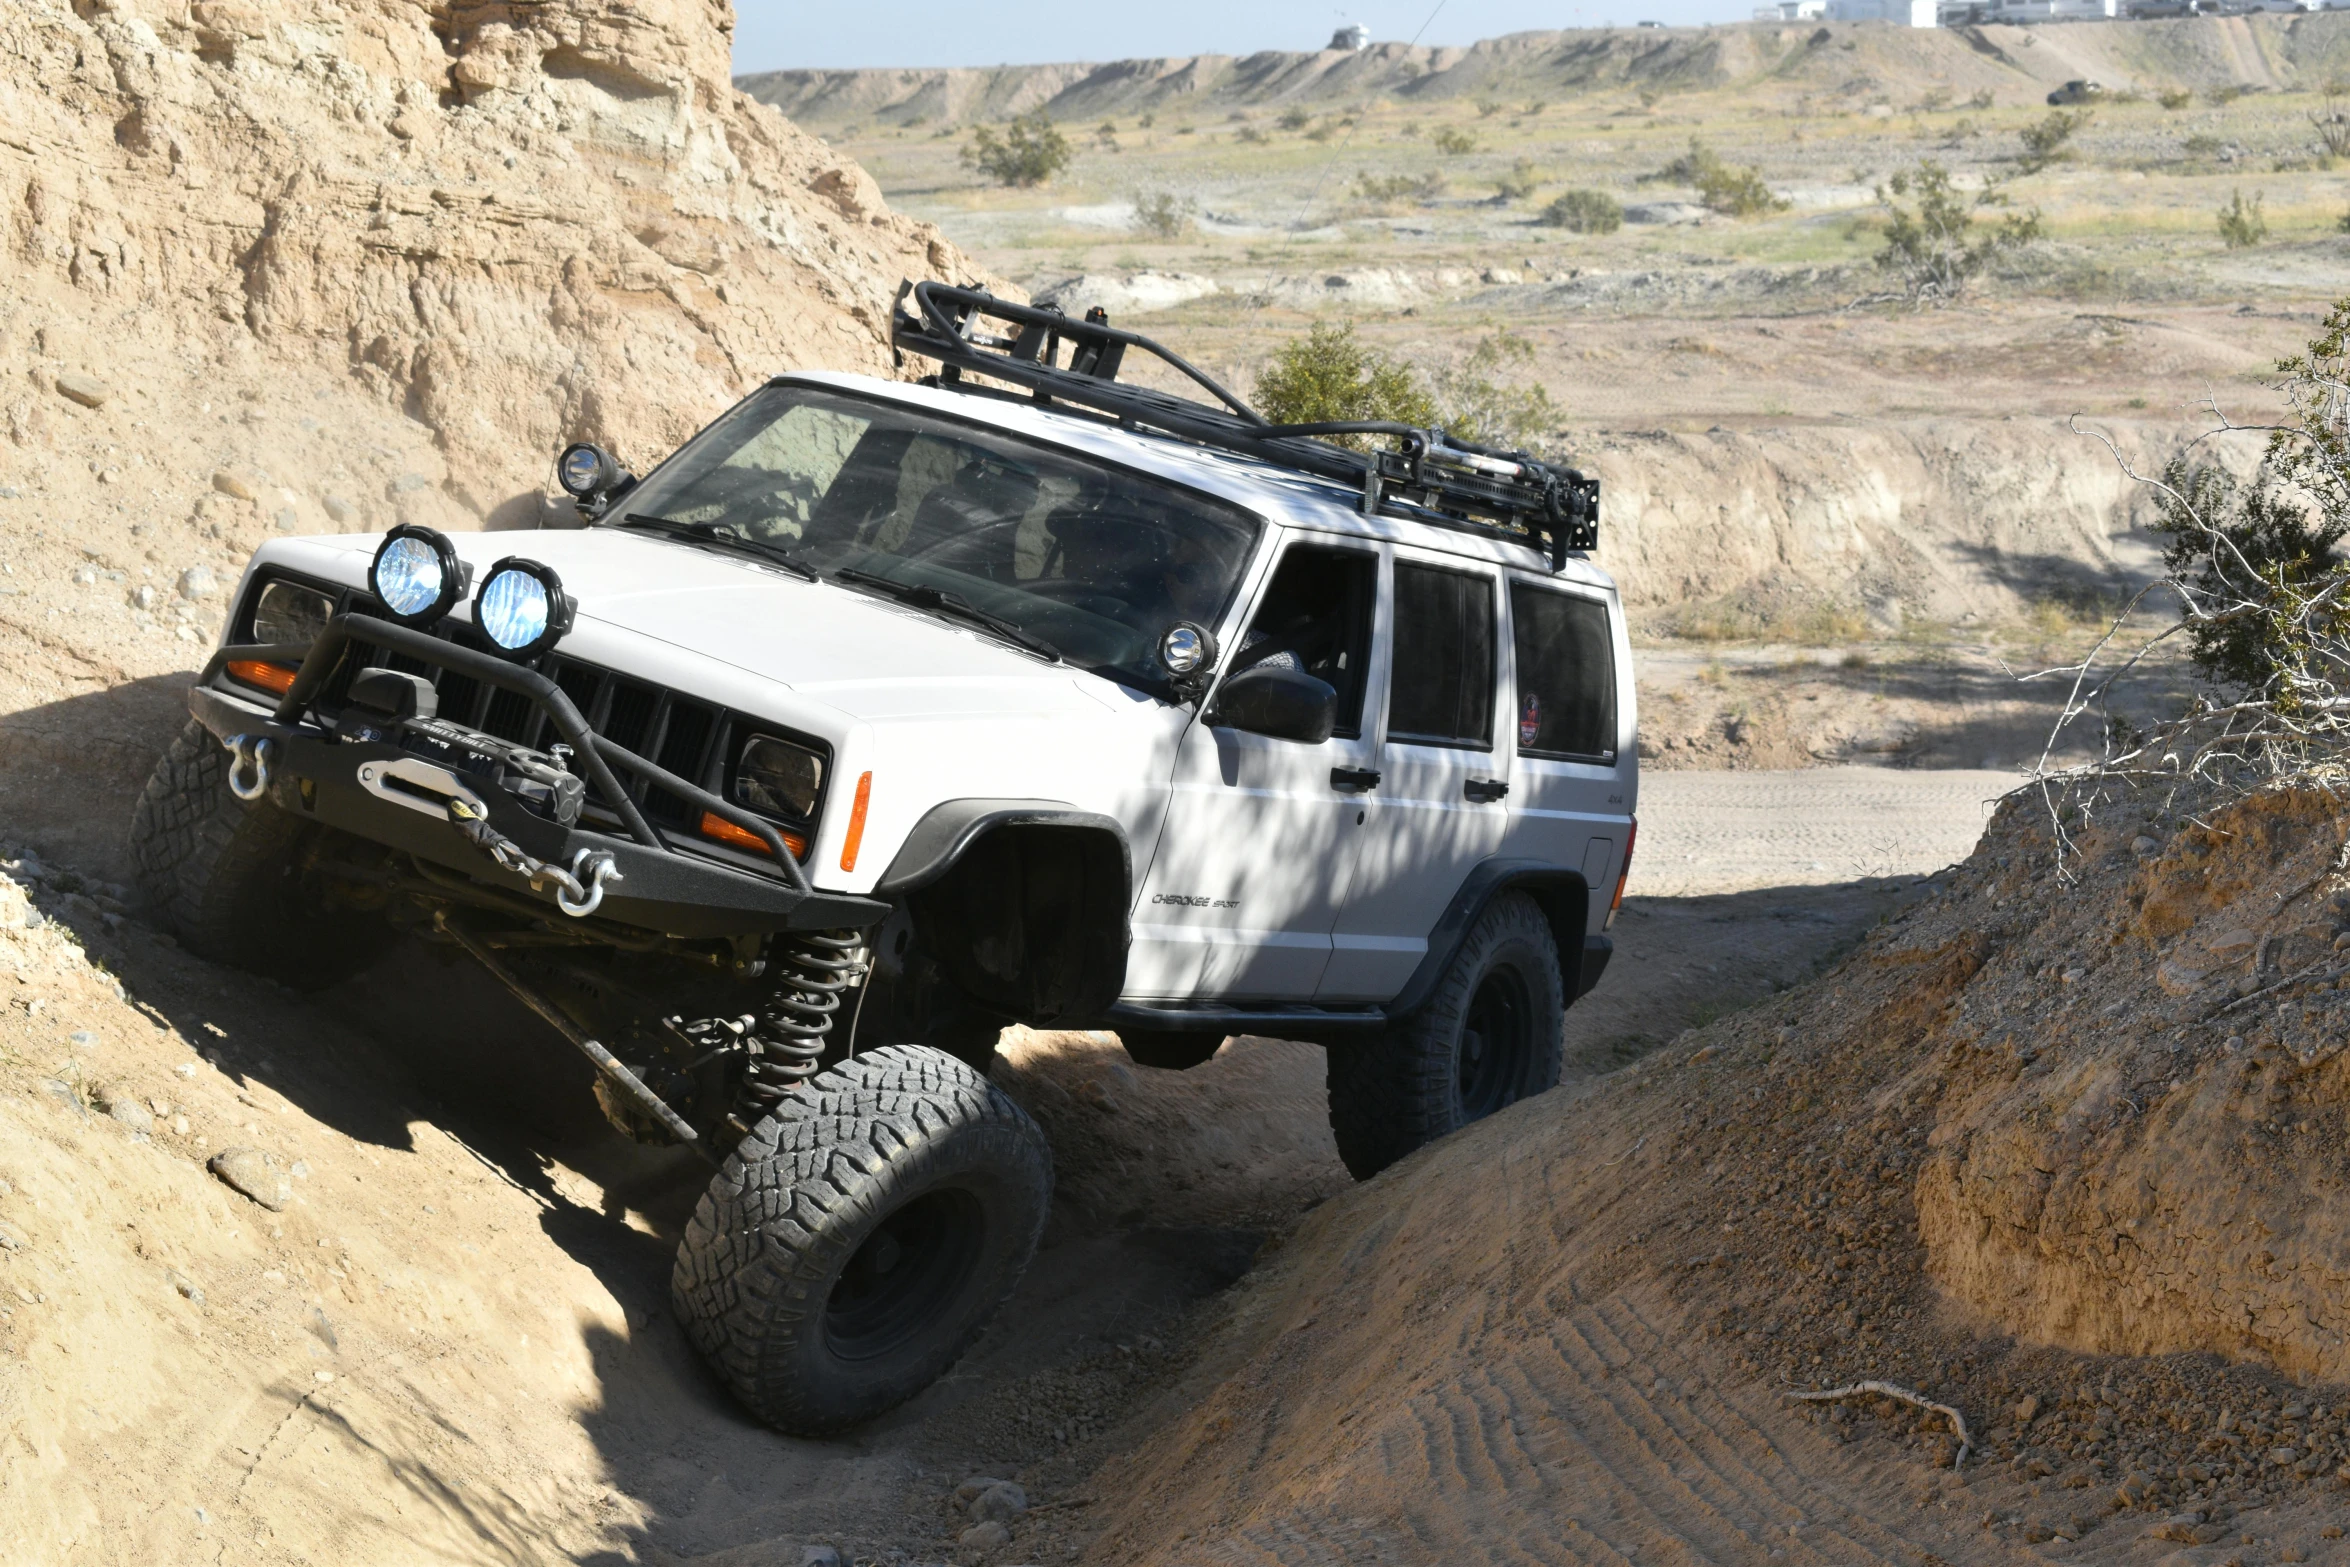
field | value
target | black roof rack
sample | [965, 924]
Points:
[1443, 480]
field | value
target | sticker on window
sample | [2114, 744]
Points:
[1530, 720]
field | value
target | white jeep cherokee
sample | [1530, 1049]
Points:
[882, 715]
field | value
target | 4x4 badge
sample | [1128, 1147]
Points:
[1190, 901]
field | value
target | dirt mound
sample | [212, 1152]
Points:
[2066, 1157]
[337, 264]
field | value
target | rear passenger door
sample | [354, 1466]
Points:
[1569, 806]
[1437, 807]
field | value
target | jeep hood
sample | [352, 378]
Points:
[856, 652]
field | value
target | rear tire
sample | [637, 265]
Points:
[228, 878]
[855, 1244]
[1493, 1033]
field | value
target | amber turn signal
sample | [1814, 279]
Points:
[726, 832]
[856, 834]
[269, 677]
[1631, 837]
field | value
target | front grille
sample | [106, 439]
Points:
[693, 739]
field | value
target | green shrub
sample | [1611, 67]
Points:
[1735, 189]
[2241, 224]
[1294, 119]
[1584, 212]
[2174, 98]
[1454, 142]
[1330, 374]
[2045, 142]
[1029, 152]
[1935, 246]
[1519, 183]
[1162, 214]
[1484, 403]
[1386, 188]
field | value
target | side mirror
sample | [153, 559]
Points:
[1287, 704]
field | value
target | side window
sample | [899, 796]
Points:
[1442, 670]
[1316, 617]
[1566, 674]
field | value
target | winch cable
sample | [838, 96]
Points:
[574, 896]
[605, 1061]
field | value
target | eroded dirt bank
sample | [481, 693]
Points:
[2070, 1159]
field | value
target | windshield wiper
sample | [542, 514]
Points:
[726, 536]
[951, 605]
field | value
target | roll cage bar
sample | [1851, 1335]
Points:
[1441, 479]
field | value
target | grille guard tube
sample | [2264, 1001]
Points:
[595, 753]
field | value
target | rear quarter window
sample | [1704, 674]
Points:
[1566, 700]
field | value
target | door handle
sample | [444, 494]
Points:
[1354, 778]
[1483, 791]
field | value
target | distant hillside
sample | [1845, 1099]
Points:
[1848, 59]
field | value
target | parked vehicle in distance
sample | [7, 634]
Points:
[2076, 91]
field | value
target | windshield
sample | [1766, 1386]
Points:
[1094, 560]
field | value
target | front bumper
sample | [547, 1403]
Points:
[314, 773]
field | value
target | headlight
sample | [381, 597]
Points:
[586, 471]
[1186, 649]
[522, 607]
[416, 575]
[778, 778]
[290, 615]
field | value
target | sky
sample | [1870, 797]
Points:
[773, 35]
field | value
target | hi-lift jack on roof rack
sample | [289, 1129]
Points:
[1444, 481]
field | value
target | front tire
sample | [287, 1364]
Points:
[230, 880]
[854, 1245]
[1493, 1033]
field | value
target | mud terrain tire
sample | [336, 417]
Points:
[854, 1245]
[1493, 1033]
[226, 877]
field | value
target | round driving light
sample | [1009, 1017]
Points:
[1186, 650]
[585, 470]
[416, 575]
[522, 607]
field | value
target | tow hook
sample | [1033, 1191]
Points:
[579, 891]
[590, 868]
[249, 754]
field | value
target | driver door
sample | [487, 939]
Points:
[1253, 861]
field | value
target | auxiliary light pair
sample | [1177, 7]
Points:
[418, 578]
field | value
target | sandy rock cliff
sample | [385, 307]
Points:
[328, 265]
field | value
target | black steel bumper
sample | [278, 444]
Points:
[316, 774]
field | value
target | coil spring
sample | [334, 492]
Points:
[812, 970]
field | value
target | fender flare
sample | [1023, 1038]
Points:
[1565, 900]
[947, 830]
[1026, 905]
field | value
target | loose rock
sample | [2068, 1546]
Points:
[250, 1171]
[86, 390]
[198, 583]
[1001, 1502]
[986, 1536]
[11, 1238]
[234, 484]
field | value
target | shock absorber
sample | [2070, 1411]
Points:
[812, 970]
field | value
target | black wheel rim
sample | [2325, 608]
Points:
[907, 1277]
[1497, 1044]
